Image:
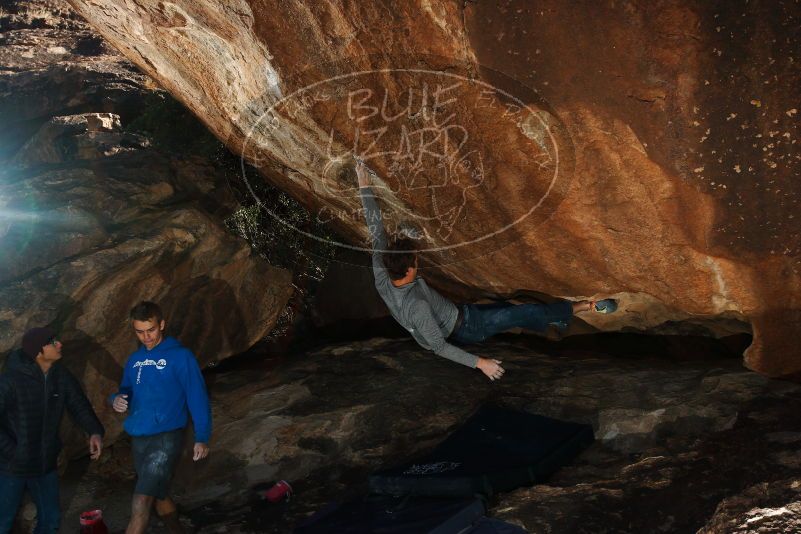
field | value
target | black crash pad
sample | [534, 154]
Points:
[382, 514]
[487, 525]
[496, 450]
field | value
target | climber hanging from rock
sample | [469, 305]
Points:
[435, 321]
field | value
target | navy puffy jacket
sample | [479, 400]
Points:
[31, 407]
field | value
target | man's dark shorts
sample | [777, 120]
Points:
[155, 458]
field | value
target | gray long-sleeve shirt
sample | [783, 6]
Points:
[426, 314]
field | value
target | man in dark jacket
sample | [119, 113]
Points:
[34, 390]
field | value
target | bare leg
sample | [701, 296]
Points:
[169, 515]
[140, 513]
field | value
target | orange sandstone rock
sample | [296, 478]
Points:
[610, 149]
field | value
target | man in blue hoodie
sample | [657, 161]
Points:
[161, 386]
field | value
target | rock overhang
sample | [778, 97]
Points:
[646, 209]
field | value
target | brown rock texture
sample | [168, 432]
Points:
[94, 217]
[766, 507]
[642, 150]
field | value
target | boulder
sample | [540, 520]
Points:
[54, 64]
[647, 153]
[765, 507]
[95, 217]
[90, 232]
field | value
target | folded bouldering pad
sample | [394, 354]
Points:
[488, 525]
[496, 450]
[382, 514]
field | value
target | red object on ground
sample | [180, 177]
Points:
[92, 523]
[279, 491]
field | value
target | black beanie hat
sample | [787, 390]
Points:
[36, 338]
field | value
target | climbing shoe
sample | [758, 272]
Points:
[605, 306]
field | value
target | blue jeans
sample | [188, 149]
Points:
[43, 491]
[481, 321]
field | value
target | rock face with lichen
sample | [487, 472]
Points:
[94, 217]
[637, 150]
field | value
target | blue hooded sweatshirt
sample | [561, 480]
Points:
[161, 385]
